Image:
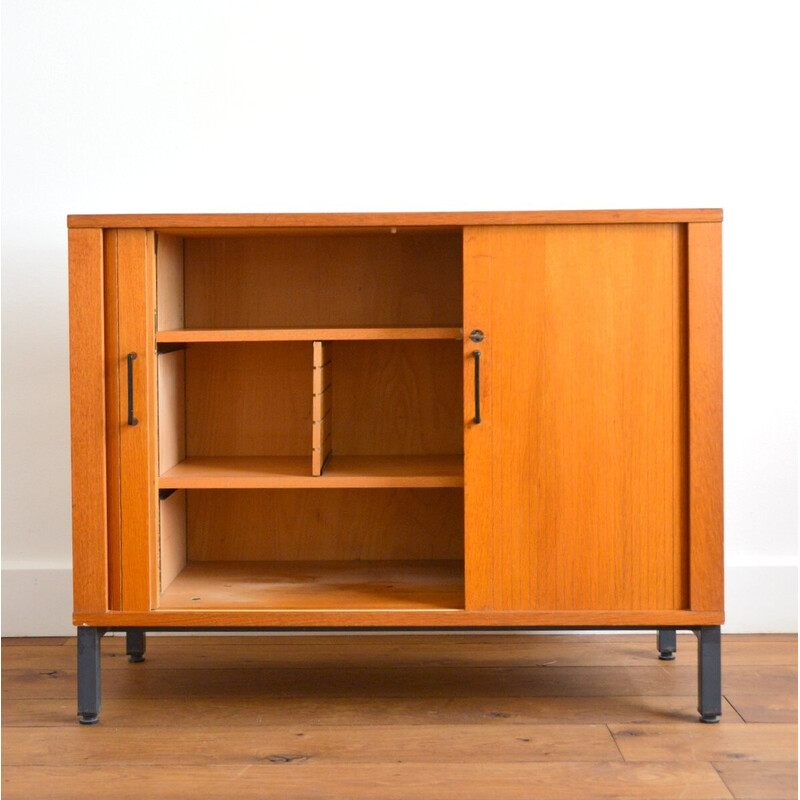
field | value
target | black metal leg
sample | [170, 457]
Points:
[667, 644]
[135, 645]
[89, 674]
[709, 673]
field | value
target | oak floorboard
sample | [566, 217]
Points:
[426, 715]
[343, 744]
[396, 651]
[264, 711]
[392, 781]
[748, 780]
[766, 708]
[35, 641]
[684, 742]
[433, 681]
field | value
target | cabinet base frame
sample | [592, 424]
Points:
[709, 656]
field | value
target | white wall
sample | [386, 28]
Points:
[190, 105]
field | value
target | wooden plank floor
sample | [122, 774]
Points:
[414, 716]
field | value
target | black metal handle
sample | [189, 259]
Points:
[477, 356]
[131, 419]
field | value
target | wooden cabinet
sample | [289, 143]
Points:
[397, 420]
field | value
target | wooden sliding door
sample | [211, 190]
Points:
[576, 476]
[132, 271]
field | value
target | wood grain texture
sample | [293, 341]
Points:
[753, 780]
[321, 585]
[357, 682]
[515, 648]
[370, 649]
[705, 417]
[138, 443]
[188, 222]
[249, 399]
[680, 426]
[323, 281]
[88, 402]
[303, 334]
[263, 710]
[337, 524]
[292, 472]
[422, 715]
[322, 404]
[320, 744]
[478, 468]
[478, 781]
[169, 282]
[586, 619]
[765, 707]
[322, 433]
[172, 538]
[755, 742]
[171, 409]
[584, 429]
[112, 419]
[397, 398]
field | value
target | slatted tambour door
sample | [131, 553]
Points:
[584, 387]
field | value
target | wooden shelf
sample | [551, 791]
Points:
[322, 585]
[186, 336]
[294, 472]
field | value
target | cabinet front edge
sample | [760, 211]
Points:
[394, 619]
[166, 222]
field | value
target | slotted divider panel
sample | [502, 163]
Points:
[322, 407]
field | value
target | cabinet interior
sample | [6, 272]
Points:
[310, 419]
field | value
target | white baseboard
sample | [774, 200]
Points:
[761, 598]
[37, 601]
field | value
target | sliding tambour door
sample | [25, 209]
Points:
[575, 476]
[132, 425]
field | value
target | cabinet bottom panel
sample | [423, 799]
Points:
[317, 585]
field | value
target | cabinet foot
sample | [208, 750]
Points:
[709, 673]
[89, 674]
[666, 642]
[135, 645]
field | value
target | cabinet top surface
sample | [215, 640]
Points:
[447, 219]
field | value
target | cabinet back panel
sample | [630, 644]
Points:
[325, 525]
[248, 399]
[323, 281]
[588, 440]
[397, 398]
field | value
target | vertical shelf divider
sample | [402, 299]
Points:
[322, 407]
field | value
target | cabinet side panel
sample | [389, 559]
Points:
[171, 409]
[87, 412]
[172, 519]
[169, 282]
[138, 443]
[705, 417]
[478, 495]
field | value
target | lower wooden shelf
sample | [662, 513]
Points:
[317, 585]
[294, 472]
